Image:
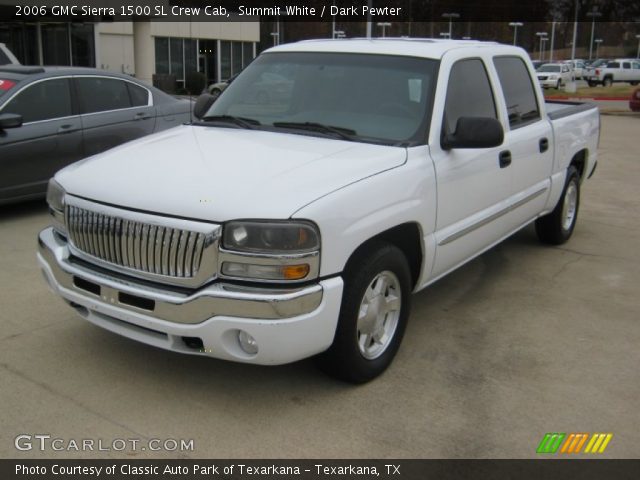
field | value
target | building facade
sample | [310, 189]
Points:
[142, 49]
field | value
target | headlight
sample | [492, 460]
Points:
[55, 199]
[270, 251]
[271, 237]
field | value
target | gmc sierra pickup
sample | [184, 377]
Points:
[299, 222]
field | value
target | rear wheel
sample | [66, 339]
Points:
[634, 83]
[557, 227]
[592, 83]
[373, 316]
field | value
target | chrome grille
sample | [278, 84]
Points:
[162, 252]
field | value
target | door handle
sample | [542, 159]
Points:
[544, 144]
[141, 116]
[505, 158]
[68, 128]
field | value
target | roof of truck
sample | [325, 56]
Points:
[414, 47]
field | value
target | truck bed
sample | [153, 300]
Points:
[562, 108]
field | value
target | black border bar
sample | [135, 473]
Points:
[324, 469]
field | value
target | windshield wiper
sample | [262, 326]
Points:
[243, 122]
[343, 133]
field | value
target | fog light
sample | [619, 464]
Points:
[247, 342]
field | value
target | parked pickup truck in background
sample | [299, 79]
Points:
[615, 71]
[267, 232]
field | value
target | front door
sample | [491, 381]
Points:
[49, 138]
[474, 183]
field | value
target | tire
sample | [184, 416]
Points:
[633, 83]
[367, 337]
[558, 85]
[607, 82]
[557, 227]
[592, 83]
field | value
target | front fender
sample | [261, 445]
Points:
[350, 216]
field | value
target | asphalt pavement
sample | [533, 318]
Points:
[524, 340]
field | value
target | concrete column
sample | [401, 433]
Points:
[144, 53]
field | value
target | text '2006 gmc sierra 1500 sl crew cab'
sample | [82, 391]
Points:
[328, 182]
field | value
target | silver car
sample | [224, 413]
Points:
[53, 116]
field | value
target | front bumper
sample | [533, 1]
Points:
[548, 83]
[287, 325]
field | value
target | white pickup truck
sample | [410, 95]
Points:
[299, 223]
[615, 71]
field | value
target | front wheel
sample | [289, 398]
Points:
[375, 308]
[607, 82]
[557, 227]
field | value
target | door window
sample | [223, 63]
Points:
[100, 94]
[44, 100]
[469, 93]
[139, 95]
[519, 93]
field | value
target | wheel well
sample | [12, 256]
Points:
[407, 238]
[579, 161]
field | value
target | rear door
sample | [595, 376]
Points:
[49, 138]
[529, 136]
[473, 183]
[626, 74]
[114, 111]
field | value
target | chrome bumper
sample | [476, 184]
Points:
[169, 303]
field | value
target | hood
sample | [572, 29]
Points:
[220, 174]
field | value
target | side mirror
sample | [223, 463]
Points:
[203, 104]
[10, 120]
[474, 132]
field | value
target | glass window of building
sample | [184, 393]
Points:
[83, 50]
[236, 57]
[162, 55]
[247, 53]
[55, 44]
[225, 60]
[176, 57]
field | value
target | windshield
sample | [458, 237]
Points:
[549, 68]
[361, 97]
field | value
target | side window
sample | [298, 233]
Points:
[99, 94]
[42, 101]
[626, 65]
[139, 96]
[613, 65]
[519, 93]
[636, 65]
[469, 93]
